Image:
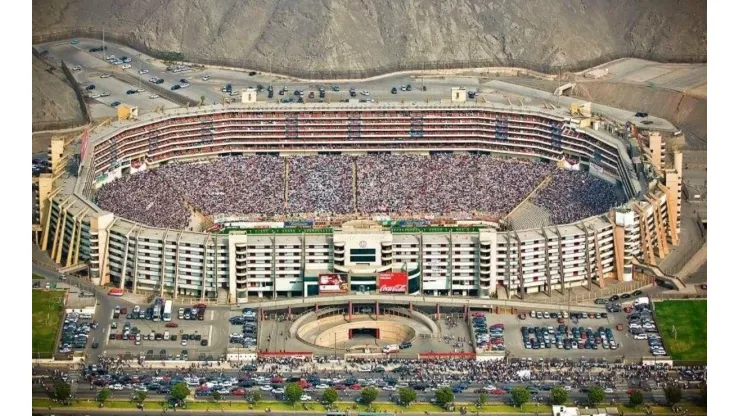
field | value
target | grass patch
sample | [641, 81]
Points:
[37, 277]
[690, 320]
[47, 309]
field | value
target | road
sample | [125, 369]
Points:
[91, 63]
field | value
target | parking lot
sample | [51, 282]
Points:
[625, 344]
[211, 331]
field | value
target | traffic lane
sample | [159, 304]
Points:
[117, 90]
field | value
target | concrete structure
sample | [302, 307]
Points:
[249, 96]
[458, 95]
[469, 257]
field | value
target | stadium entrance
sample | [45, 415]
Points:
[364, 334]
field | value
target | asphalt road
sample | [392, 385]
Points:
[379, 89]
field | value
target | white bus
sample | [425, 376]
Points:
[167, 315]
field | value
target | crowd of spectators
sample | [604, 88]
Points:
[440, 184]
[445, 183]
[573, 195]
[320, 184]
[147, 198]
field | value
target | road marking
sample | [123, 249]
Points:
[212, 312]
[210, 331]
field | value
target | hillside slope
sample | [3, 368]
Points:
[53, 99]
[380, 35]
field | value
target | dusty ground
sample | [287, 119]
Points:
[341, 35]
[53, 97]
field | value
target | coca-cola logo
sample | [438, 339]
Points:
[396, 288]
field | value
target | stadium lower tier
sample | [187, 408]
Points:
[478, 261]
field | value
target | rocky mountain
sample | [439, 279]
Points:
[53, 99]
[377, 35]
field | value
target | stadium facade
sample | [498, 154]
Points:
[466, 256]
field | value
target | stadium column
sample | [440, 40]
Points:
[377, 309]
[76, 258]
[177, 265]
[411, 307]
[349, 311]
[135, 283]
[438, 311]
[561, 270]
[72, 239]
[597, 250]
[124, 265]
[586, 239]
[547, 263]
[164, 263]
[61, 219]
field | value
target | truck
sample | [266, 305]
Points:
[644, 300]
[391, 348]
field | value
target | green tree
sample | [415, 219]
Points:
[216, 396]
[180, 391]
[596, 395]
[62, 391]
[202, 100]
[636, 398]
[406, 395]
[559, 396]
[293, 393]
[672, 394]
[330, 396]
[103, 395]
[256, 397]
[520, 396]
[444, 396]
[140, 396]
[369, 395]
[483, 399]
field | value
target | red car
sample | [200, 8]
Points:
[276, 380]
[171, 325]
[498, 326]
[630, 391]
[355, 387]
[478, 315]
[124, 311]
[238, 391]
[561, 320]
[339, 387]
[201, 306]
[498, 392]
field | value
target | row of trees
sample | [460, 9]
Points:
[293, 392]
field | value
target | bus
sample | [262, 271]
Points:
[167, 315]
[157, 310]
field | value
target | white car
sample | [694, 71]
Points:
[278, 391]
[322, 386]
[206, 77]
[266, 388]
[305, 398]
[184, 85]
[608, 390]
[143, 71]
[389, 388]
[546, 315]
[184, 343]
[641, 336]
[105, 76]
[126, 66]
[104, 94]
[153, 96]
[77, 68]
[567, 388]
[95, 95]
[116, 387]
[363, 92]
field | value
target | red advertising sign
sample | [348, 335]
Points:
[333, 283]
[393, 282]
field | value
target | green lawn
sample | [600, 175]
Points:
[690, 320]
[35, 277]
[47, 310]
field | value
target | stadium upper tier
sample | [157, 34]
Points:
[374, 150]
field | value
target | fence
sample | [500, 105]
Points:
[299, 69]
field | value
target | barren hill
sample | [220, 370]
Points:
[375, 35]
[53, 99]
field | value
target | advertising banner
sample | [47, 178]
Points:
[333, 283]
[393, 282]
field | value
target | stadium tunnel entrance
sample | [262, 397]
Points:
[364, 333]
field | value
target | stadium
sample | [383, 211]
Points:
[266, 201]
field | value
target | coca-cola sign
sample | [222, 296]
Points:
[393, 282]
